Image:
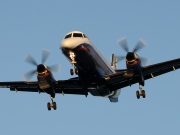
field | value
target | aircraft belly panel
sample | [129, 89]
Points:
[87, 54]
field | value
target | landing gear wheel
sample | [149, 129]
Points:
[143, 93]
[49, 106]
[54, 105]
[76, 71]
[137, 94]
[71, 71]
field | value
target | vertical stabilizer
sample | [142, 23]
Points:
[114, 62]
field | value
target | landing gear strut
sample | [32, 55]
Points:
[74, 70]
[140, 93]
[51, 105]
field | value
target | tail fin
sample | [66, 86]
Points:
[114, 62]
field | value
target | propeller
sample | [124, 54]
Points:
[55, 68]
[45, 55]
[139, 45]
[39, 67]
[131, 55]
[123, 43]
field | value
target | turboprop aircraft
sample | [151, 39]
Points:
[94, 74]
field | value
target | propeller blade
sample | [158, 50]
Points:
[29, 75]
[139, 45]
[45, 55]
[144, 61]
[120, 58]
[123, 43]
[55, 68]
[30, 60]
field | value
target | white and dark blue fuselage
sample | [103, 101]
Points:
[92, 66]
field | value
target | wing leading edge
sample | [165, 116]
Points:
[118, 80]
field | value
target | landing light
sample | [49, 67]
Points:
[72, 55]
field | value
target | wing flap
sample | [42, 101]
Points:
[25, 89]
[62, 86]
[70, 87]
[20, 84]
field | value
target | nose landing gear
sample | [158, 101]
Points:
[74, 70]
[51, 105]
[140, 93]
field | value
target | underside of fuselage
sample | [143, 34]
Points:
[91, 68]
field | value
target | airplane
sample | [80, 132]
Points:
[94, 74]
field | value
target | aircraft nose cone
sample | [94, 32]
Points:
[69, 43]
[65, 44]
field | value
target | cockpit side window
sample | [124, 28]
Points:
[68, 36]
[85, 36]
[77, 35]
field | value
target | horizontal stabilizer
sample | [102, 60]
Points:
[113, 99]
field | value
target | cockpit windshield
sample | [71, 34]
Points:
[68, 36]
[77, 35]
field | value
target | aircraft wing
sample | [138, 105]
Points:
[113, 82]
[118, 80]
[61, 86]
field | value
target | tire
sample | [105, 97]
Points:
[76, 71]
[71, 71]
[137, 94]
[143, 94]
[54, 105]
[49, 106]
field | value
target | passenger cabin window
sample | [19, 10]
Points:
[67, 36]
[77, 35]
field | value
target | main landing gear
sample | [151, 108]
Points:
[74, 70]
[51, 105]
[140, 93]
